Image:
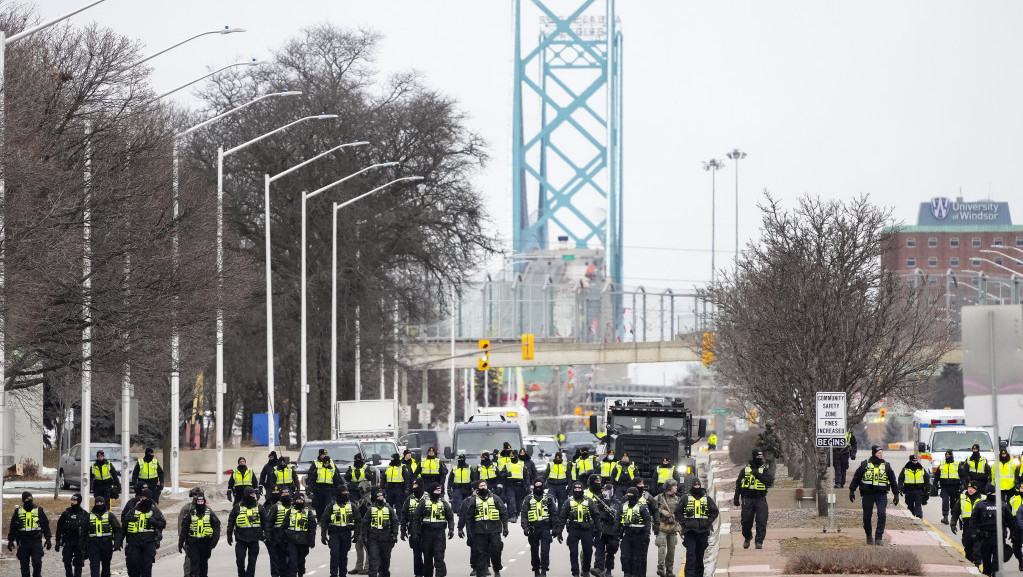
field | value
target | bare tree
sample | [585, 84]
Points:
[810, 309]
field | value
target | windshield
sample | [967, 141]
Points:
[667, 423]
[960, 441]
[1017, 436]
[579, 437]
[336, 452]
[474, 442]
[112, 454]
[383, 448]
[549, 447]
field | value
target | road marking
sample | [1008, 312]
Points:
[522, 552]
[954, 545]
[324, 566]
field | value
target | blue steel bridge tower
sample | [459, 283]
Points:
[567, 130]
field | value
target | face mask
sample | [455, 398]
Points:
[358, 461]
[249, 501]
[200, 510]
[286, 501]
[538, 491]
[696, 491]
[380, 500]
[515, 459]
[417, 491]
[342, 498]
[275, 497]
[242, 468]
[485, 461]
[394, 462]
[633, 499]
[435, 496]
[144, 505]
[483, 493]
[557, 458]
[1005, 458]
[578, 495]
[325, 459]
[758, 462]
[281, 465]
[949, 459]
[99, 509]
[148, 459]
[300, 505]
[976, 453]
[27, 505]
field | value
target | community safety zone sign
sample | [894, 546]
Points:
[831, 419]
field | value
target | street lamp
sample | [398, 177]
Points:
[221, 154]
[304, 362]
[252, 62]
[333, 286]
[736, 155]
[175, 374]
[713, 165]
[4, 41]
[269, 292]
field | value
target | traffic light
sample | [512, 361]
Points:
[483, 362]
[752, 416]
[484, 344]
[527, 347]
[708, 349]
[882, 413]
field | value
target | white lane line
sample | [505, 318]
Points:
[522, 552]
[324, 566]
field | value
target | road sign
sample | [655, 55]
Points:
[719, 411]
[406, 412]
[831, 419]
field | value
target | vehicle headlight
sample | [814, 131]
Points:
[684, 469]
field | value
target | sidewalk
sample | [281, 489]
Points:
[939, 558]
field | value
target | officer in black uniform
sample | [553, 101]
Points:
[267, 477]
[987, 530]
[104, 479]
[300, 533]
[914, 482]
[696, 513]
[405, 516]
[70, 527]
[242, 478]
[538, 527]
[558, 473]
[975, 468]
[29, 528]
[321, 481]
[605, 535]
[841, 457]
[962, 518]
[486, 519]
[874, 478]
[380, 527]
[276, 513]
[246, 523]
[947, 484]
[460, 482]
[200, 533]
[148, 470]
[338, 526]
[430, 519]
[143, 529]
[752, 485]
[634, 523]
[577, 513]
[103, 536]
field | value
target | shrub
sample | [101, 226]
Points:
[741, 446]
[30, 469]
[880, 561]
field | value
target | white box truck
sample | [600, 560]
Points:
[369, 418]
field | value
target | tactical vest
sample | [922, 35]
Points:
[412, 503]
[514, 470]
[463, 475]
[538, 510]
[281, 513]
[557, 471]
[102, 472]
[395, 474]
[283, 477]
[876, 476]
[299, 521]
[242, 479]
[950, 471]
[29, 519]
[148, 470]
[341, 516]
[140, 524]
[696, 508]
[431, 466]
[248, 517]
[379, 516]
[664, 473]
[200, 527]
[435, 512]
[631, 468]
[632, 516]
[487, 510]
[913, 476]
[584, 465]
[99, 525]
[579, 510]
[324, 474]
[966, 505]
[751, 482]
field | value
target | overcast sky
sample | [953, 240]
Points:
[901, 100]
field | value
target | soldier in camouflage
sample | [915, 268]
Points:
[769, 442]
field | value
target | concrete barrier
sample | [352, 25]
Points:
[205, 460]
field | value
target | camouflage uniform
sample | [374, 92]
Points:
[770, 443]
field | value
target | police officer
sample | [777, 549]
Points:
[752, 484]
[769, 442]
[841, 456]
[242, 478]
[321, 481]
[405, 517]
[1015, 525]
[623, 477]
[300, 533]
[962, 518]
[486, 519]
[186, 510]
[913, 483]
[665, 472]
[947, 483]
[199, 533]
[712, 442]
[634, 525]
[696, 514]
[103, 536]
[394, 481]
[70, 526]
[577, 514]
[276, 514]
[284, 476]
[430, 519]
[608, 465]
[143, 529]
[1004, 473]
[605, 534]
[104, 479]
[434, 470]
[266, 475]
[516, 479]
[874, 479]
[582, 466]
[338, 527]
[360, 478]
[975, 468]
[412, 468]
[29, 528]
[667, 502]
[531, 470]
[148, 470]
[380, 527]
[985, 520]
[538, 527]
[460, 482]
[246, 524]
[557, 478]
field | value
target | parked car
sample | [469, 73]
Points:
[343, 453]
[70, 471]
[577, 440]
[421, 439]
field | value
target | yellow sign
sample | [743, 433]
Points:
[708, 349]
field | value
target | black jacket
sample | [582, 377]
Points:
[70, 525]
[135, 475]
[646, 519]
[406, 511]
[301, 535]
[913, 487]
[759, 473]
[251, 532]
[15, 533]
[116, 533]
[388, 532]
[154, 526]
[857, 480]
[266, 476]
[484, 526]
[420, 516]
[566, 516]
[527, 504]
[689, 524]
[185, 523]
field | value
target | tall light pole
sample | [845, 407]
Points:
[333, 284]
[175, 374]
[86, 391]
[713, 165]
[267, 179]
[736, 155]
[304, 369]
[221, 154]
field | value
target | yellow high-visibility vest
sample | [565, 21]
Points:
[913, 476]
[696, 508]
[395, 474]
[487, 473]
[200, 527]
[631, 516]
[342, 516]
[29, 519]
[148, 470]
[514, 470]
[558, 471]
[431, 466]
[242, 479]
[607, 467]
[102, 472]
[379, 516]
[966, 505]
[751, 482]
[463, 475]
[876, 476]
[324, 474]
[949, 471]
[664, 473]
[248, 517]
[1004, 475]
[299, 521]
[99, 525]
[487, 510]
[538, 510]
[140, 523]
